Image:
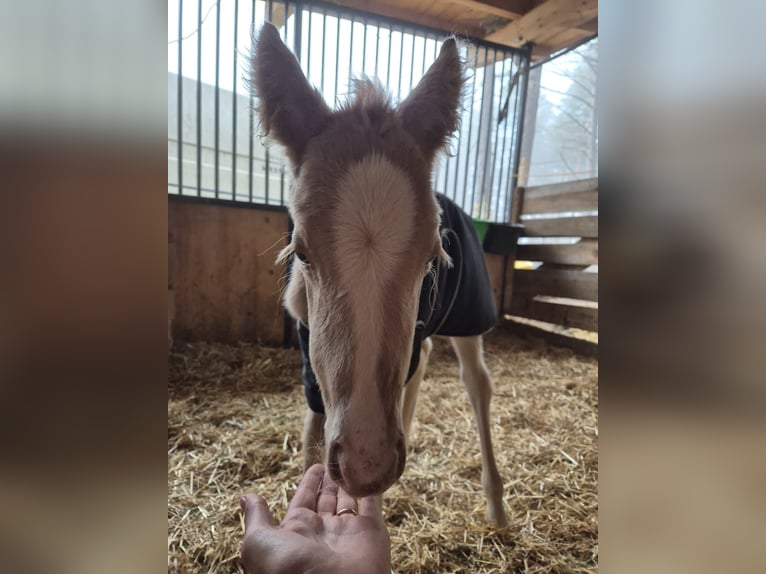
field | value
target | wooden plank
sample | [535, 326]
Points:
[571, 201]
[562, 227]
[510, 10]
[538, 191]
[564, 314]
[550, 14]
[226, 283]
[496, 268]
[584, 252]
[411, 14]
[517, 203]
[580, 346]
[555, 283]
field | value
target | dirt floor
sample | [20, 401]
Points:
[234, 423]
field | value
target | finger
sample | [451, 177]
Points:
[371, 506]
[257, 513]
[306, 495]
[328, 496]
[345, 500]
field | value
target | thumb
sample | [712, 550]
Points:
[257, 513]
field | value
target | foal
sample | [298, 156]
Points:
[366, 238]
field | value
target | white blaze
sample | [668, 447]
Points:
[374, 224]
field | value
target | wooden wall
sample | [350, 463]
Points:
[225, 285]
[560, 291]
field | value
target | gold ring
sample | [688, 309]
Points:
[347, 510]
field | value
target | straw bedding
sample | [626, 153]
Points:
[234, 421]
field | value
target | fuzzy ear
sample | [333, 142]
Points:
[290, 109]
[430, 112]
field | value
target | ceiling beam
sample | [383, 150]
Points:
[504, 9]
[409, 15]
[539, 21]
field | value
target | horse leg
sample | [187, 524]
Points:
[412, 386]
[475, 377]
[313, 424]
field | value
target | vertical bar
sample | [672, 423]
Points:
[520, 130]
[388, 66]
[308, 50]
[478, 137]
[486, 214]
[324, 43]
[252, 124]
[412, 63]
[217, 92]
[234, 111]
[509, 191]
[298, 38]
[505, 139]
[377, 49]
[337, 59]
[401, 62]
[297, 49]
[423, 67]
[468, 141]
[267, 154]
[351, 51]
[364, 48]
[180, 98]
[287, 28]
[199, 98]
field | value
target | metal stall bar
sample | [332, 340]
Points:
[217, 92]
[519, 117]
[487, 214]
[324, 45]
[512, 139]
[252, 125]
[199, 98]
[401, 63]
[506, 121]
[282, 166]
[337, 62]
[351, 52]
[482, 148]
[234, 109]
[267, 154]
[468, 141]
[180, 89]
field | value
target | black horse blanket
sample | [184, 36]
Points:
[461, 305]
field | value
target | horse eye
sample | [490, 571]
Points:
[302, 258]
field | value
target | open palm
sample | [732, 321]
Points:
[312, 537]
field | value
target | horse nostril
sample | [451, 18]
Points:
[333, 461]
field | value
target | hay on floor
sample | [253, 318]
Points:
[234, 422]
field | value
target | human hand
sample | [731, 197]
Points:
[312, 537]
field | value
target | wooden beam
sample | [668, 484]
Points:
[555, 283]
[580, 346]
[584, 252]
[562, 227]
[588, 184]
[505, 9]
[572, 201]
[556, 312]
[415, 16]
[538, 21]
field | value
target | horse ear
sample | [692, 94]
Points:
[430, 112]
[289, 108]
